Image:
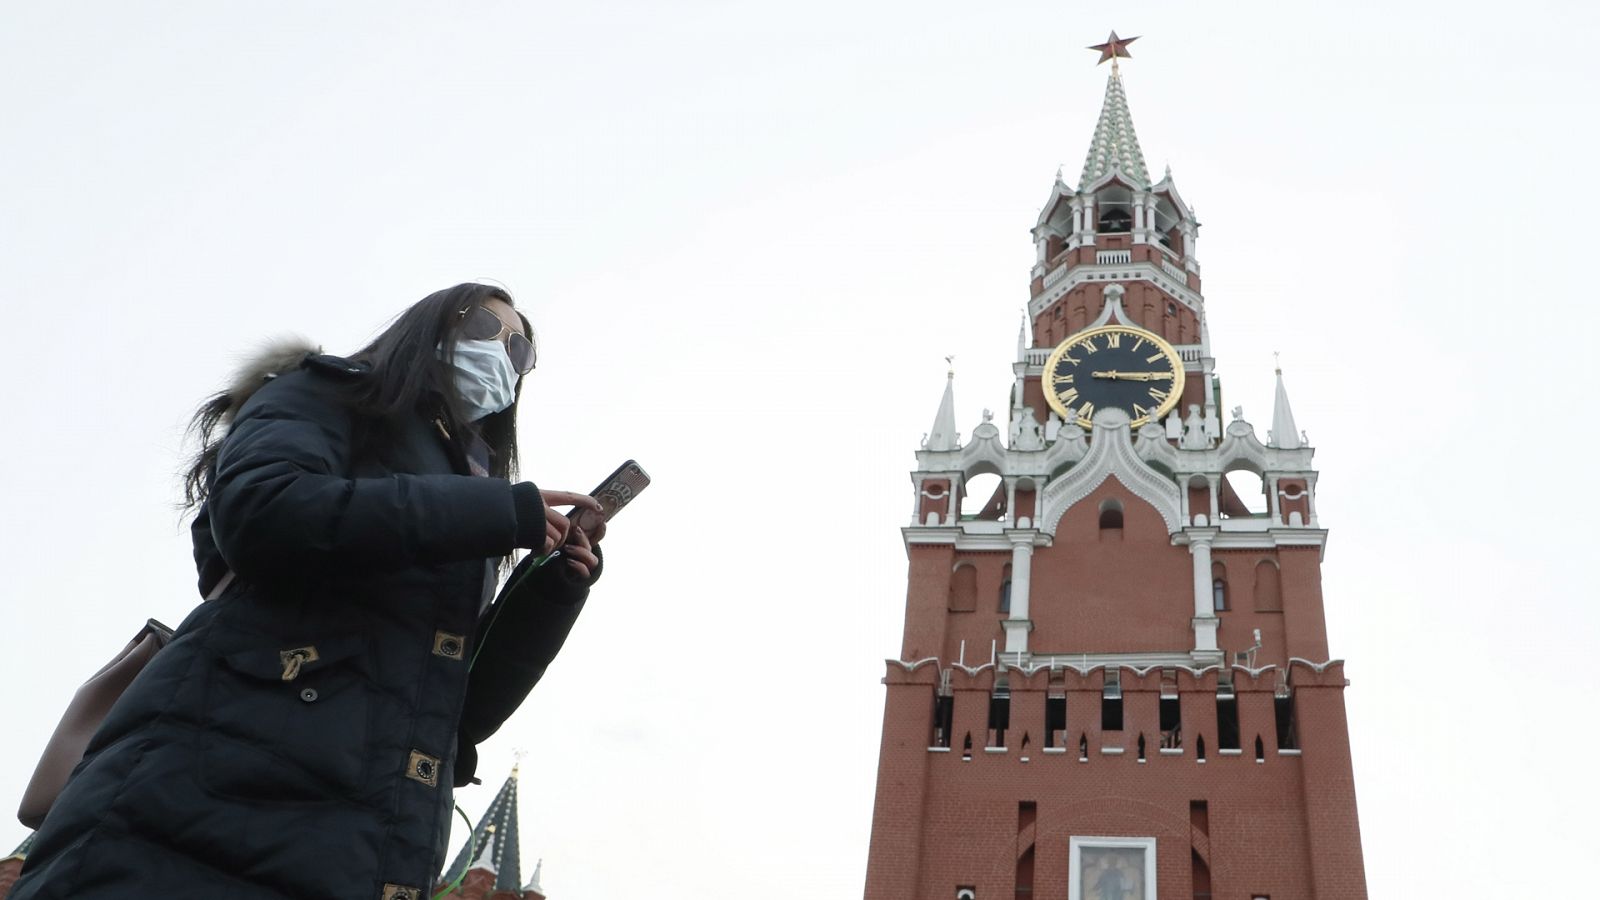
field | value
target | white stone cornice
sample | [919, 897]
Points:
[1141, 664]
[1110, 453]
[1268, 539]
[974, 542]
[1066, 277]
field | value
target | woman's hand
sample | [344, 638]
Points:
[557, 526]
[580, 554]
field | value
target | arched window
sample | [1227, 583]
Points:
[1005, 589]
[964, 588]
[1111, 520]
[1244, 493]
[1268, 594]
[1219, 587]
[1115, 221]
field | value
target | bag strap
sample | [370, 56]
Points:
[222, 585]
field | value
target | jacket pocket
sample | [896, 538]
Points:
[289, 723]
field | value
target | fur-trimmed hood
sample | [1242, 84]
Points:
[284, 354]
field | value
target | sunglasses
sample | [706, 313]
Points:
[479, 324]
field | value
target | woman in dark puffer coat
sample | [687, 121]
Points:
[300, 736]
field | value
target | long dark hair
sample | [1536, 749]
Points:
[409, 375]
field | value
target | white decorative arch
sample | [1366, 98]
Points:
[984, 454]
[1113, 294]
[1241, 449]
[1111, 453]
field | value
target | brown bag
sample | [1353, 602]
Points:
[84, 714]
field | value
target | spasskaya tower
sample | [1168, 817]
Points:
[1114, 681]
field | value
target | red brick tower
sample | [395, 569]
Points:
[1115, 679]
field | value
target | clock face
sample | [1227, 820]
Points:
[1116, 365]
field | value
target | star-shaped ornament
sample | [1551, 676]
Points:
[1113, 48]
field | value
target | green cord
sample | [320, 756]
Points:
[500, 608]
[472, 840]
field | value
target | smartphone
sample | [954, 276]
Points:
[614, 493]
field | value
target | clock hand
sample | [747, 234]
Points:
[1133, 376]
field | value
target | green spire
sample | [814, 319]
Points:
[494, 842]
[1115, 146]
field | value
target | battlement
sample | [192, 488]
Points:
[1054, 708]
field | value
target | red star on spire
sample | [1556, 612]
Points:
[1113, 48]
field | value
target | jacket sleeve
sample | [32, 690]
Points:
[531, 619]
[280, 501]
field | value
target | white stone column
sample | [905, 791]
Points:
[1205, 615]
[1272, 495]
[1138, 215]
[1011, 503]
[1183, 501]
[1018, 625]
[1077, 217]
[1088, 219]
[1311, 499]
[1215, 481]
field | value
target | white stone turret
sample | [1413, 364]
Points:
[943, 435]
[1285, 436]
[533, 883]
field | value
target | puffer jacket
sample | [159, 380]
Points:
[301, 734]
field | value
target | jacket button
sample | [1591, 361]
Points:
[309, 695]
[424, 768]
[447, 645]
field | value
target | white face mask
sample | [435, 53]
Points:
[484, 377]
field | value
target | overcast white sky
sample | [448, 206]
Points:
[748, 234]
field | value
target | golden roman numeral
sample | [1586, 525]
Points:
[1113, 340]
[1061, 379]
[1137, 343]
[1155, 358]
[1087, 344]
[1158, 395]
[1067, 359]
[1068, 396]
[1086, 411]
[1139, 411]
